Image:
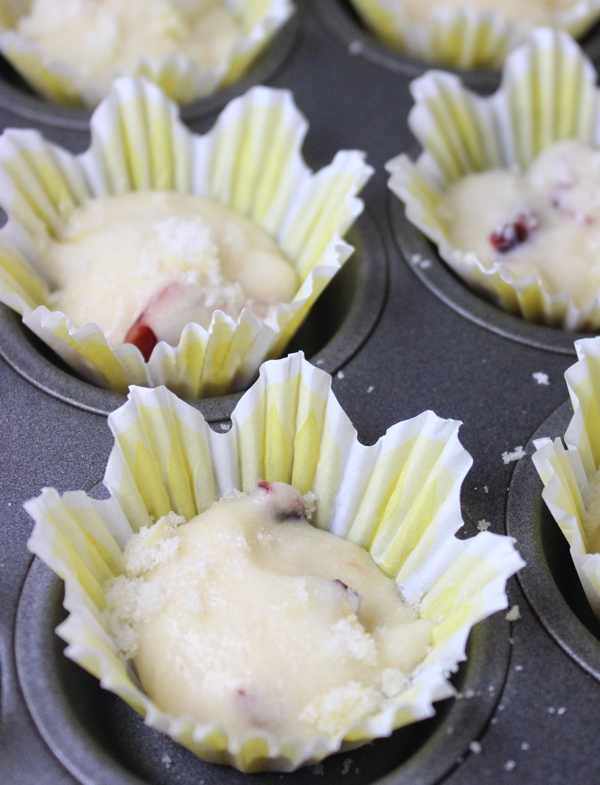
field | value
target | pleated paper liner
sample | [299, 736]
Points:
[399, 499]
[568, 468]
[464, 37]
[179, 77]
[548, 94]
[250, 161]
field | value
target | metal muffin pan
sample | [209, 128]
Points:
[344, 22]
[415, 353]
[550, 580]
[335, 329]
[18, 98]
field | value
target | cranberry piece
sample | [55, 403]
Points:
[513, 233]
[266, 486]
[353, 598]
[142, 336]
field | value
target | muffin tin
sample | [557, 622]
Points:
[527, 706]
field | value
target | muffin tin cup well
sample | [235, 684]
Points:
[550, 581]
[17, 98]
[422, 257]
[335, 329]
[342, 21]
[101, 741]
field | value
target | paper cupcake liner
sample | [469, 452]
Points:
[464, 37]
[568, 472]
[399, 499]
[180, 78]
[250, 161]
[548, 94]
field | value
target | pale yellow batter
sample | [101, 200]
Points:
[165, 258]
[250, 617]
[97, 37]
[530, 12]
[544, 221]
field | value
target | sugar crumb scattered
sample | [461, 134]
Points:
[320, 362]
[509, 765]
[475, 747]
[346, 765]
[483, 525]
[524, 746]
[340, 374]
[551, 710]
[425, 264]
[310, 500]
[166, 760]
[486, 489]
[370, 388]
[514, 614]
[232, 495]
[225, 426]
[562, 710]
[356, 47]
[518, 668]
[415, 258]
[516, 455]
[541, 378]
[152, 545]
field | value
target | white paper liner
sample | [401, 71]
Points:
[399, 498]
[179, 77]
[464, 37]
[548, 94]
[250, 161]
[567, 471]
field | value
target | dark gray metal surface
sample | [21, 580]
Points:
[421, 355]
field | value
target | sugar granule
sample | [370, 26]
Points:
[346, 765]
[514, 614]
[475, 747]
[310, 500]
[340, 707]
[516, 455]
[350, 639]
[152, 545]
[541, 378]
[483, 525]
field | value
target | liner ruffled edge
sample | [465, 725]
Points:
[399, 499]
[180, 78]
[463, 37]
[548, 94]
[568, 469]
[250, 161]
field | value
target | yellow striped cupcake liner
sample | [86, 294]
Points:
[548, 94]
[250, 161]
[568, 469]
[399, 499]
[464, 37]
[180, 78]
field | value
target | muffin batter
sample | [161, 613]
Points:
[98, 37]
[545, 221]
[143, 265]
[534, 12]
[250, 617]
